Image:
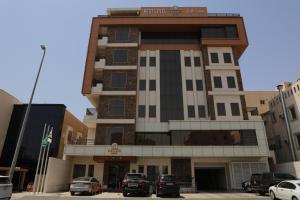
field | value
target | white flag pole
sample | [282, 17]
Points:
[46, 159]
[42, 162]
[38, 164]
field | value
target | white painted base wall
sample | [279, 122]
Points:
[289, 167]
[58, 175]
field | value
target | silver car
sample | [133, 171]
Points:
[5, 188]
[88, 185]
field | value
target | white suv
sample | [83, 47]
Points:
[5, 188]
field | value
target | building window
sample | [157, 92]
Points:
[152, 61]
[142, 111]
[116, 107]
[91, 171]
[201, 111]
[120, 56]
[197, 62]
[187, 61]
[221, 109]
[298, 87]
[115, 134]
[152, 85]
[214, 57]
[122, 34]
[227, 58]
[165, 169]
[189, 85]
[152, 111]
[118, 80]
[235, 109]
[191, 111]
[199, 85]
[143, 61]
[141, 169]
[262, 102]
[231, 82]
[295, 90]
[217, 81]
[142, 85]
[78, 171]
[293, 115]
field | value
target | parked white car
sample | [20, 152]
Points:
[5, 188]
[286, 190]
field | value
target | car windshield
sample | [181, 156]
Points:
[168, 178]
[82, 179]
[284, 176]
[134, 176]
[4, 180]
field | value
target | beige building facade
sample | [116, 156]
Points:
[7, 102]
[275, 122]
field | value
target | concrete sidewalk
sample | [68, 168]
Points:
[110, 196]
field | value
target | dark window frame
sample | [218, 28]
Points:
[152, 85]
[221, 109]
[111, 130]
[217, 82]
[191, 111]
[233, 107]
[227, 58]
[143, 61]
[189, 85]
[196, 62]
[231, 82]
[201, 111]
[199, 85]
[110, 106]
[114, 51]
[152, 61]
[187, 61]
[141, 111]
[152, 111]
[112, 81]
[213, 59]
[144, 84]
[117, 30]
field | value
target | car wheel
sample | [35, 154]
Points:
[272, 195]
[294, 198]
[72, 193]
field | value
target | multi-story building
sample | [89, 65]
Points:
[276, 126]
[257, 102]
[168, 96]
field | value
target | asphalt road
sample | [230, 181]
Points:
[110, 196]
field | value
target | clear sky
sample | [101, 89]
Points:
[272, 57]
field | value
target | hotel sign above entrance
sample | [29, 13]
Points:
[173, 12]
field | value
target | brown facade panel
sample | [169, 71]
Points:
[90, 58]
[181, 168]
[133, 34]
[208, 85]
[130, 80]
[244, 107]
[239, 80]
[105, 112]
[132, 55]
[103, 136]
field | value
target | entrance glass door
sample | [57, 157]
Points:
[116, 173]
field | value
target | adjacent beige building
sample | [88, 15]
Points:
[276, 126]
[258, 101]
[7, 102]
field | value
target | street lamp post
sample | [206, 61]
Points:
[15, 158]
[287, 123]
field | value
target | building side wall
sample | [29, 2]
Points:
[73, 126]
[6, 108]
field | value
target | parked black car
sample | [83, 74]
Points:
[136, 183]
[167, 185]
[260, 183]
